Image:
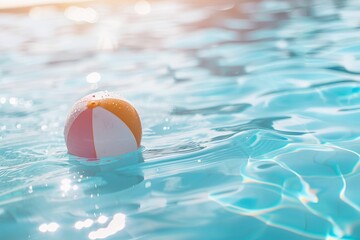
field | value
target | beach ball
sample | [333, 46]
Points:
[102, 124]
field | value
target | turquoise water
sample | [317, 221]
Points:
[250, 113]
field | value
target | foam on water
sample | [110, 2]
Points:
[250, 112]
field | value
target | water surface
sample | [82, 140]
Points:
[250, 115]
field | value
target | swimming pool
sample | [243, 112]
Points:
[250, 113]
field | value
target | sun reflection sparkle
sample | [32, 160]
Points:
[115, 225]
[93, 77]
[79, 14]
[142, 7]
[50, 227]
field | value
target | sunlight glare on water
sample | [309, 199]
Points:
[250, 114]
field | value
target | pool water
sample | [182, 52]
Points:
[250, 113]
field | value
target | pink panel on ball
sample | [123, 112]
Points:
[80, 139]
[77, 109]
